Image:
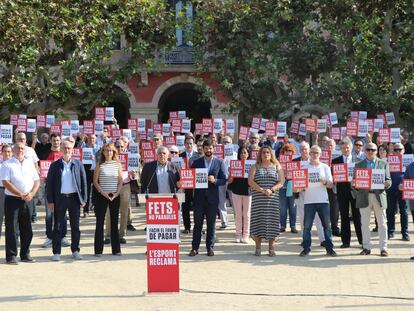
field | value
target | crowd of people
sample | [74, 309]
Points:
[263, 201]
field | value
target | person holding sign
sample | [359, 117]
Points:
[409, 174]
[21, 182]
[367, 199]
[265, 179]
[6, 152]
[394, 195]
[107, 179]
[206, 201]
[242, 200]
[345, 197]
[316, 201]
[66, 191]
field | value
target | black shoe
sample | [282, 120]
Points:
[375, 229]
[122, 241]
[130, 227]
[293, 230]
[304, 253]
[107, 241]
[28, 259]
[222, 227]
[323, 244]
[331, 253]
[345, 246]
[34, 220]
[336, 233]
[412, 258]
[12, 261]
[282, 229]
[365, 252]
[406, 238]
[390, 235]
[186, 231]
[210, 253]
[193, 253]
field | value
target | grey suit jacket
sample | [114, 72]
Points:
[381, 195]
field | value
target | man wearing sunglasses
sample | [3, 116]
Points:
[358, 152]
[394, 196]
[367, 199]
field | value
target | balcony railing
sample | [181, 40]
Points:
[179, 55]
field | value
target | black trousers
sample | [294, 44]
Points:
[101, 205]
[186, 208]
[17, 211]
[89, 180]
[334, 210]
[209, 211]
[344, 200]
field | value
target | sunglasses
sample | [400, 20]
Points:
[173, 152]
[371, 150]
[397, 149]
[358, 145]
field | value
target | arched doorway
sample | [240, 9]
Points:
[121, 105]
[184, 96]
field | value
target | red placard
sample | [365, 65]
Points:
[237, 168]
[173, 115]
[22, 125]
[290, 167]
[362, 177]
[208, 125]
[384, 135]
[170, 141]
[395, 162]
[254, 154]
[65, 122]
[283, 159]
[13, 119]
[408, 189]
[326, 157]
[77, 153]
[383, 117]
[88, 127]
[148, 155]
[40, 120]
[336, 133]
[256, 122]
[294, 128]
[56, 128]
[271, 128]
[219, 151]
[187, 178]
[157, 128]
[146, 145]
[340, 172]
[133, 124]
[176, 125]
[123, 158]
[116, 133]
[300, 178]
[311, 125]
[44, 168]
[352, 128]
[243, 133]
[100, 113]
[198, 129]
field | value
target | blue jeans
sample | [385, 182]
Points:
[394, 197]
[323, 211]
[49, 222]
[287, 204]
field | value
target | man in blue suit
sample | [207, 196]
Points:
[206, 201]
[66, 190]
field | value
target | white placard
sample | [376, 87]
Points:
[133, 161]
[263, 124]
[98, 127]
[178, 162]
[65, 131]
[201, 178]
[389, 116]
[281, 129]
[133, 148]
[6, 134]
[218, 125]
[31, 125]
[74, 127]
[141, 125]
[181, 114]
[362, 129]
[127, 133]
[109, 113]
[87, 155]
[377, 179]
[50, 119]
[333, 118]
[395, 135]
[179, 140]
[247, 166]
[302, 129]
[230, 126]
[185, 126]
[407, 159]
[363, 115]
[322, 125]
[229, 153]
[378, 124]
[166, 129]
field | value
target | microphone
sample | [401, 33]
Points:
[147, 191]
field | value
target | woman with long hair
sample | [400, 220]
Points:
[107, 179]
[265, 179]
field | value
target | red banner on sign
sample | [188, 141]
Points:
[237, 168]
[219, 151]
[300, 178]
[243, 133]
[271, 128]
[100, 113]
[395, 162]
[13, 119]
[290, 167]
[336, 133]
[44, 168]
[352, 128]
[56, 128]
[133, 124]
[40, 120]
[123, 158]
[408, 189]
[311, 125]
[294, 127]
[326, 157]
[362, 177]
[340, 172]
[208, 125]
[254, 154]
[77, 153]
[88, 127]
[384, 135]
[187, 178]
[170, 141]
[148, 155]
[176, 125]
[173, 115]
[22, 125]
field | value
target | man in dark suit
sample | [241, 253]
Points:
[66, 190]
[159, 176]
[345, 198]
[206, 200]
[186, 206]
[367, 199]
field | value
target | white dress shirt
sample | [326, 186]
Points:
[21, 174]
[67, 180]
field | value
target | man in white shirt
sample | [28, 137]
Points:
[316, 201]
[21, 182]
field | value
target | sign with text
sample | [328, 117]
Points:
[300, 178]
[362, 177]
[340, 172]
[395, 163]
[237, 168]
[44, 166]
[408, 189]
[194, 178]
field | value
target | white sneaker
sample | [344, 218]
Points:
[56, 257]
[237, 240]
[245, 240]
[77, 256]
[47, 243]
[65, 242]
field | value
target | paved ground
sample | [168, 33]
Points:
[232, 280]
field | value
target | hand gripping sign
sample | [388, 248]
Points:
[162, 245]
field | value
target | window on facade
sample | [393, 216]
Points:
[183, 8]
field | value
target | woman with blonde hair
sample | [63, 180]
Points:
[265, 179]
[107, 179]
